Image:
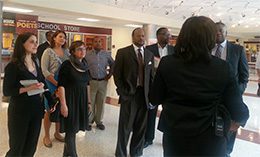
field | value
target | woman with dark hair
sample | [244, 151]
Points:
[198, 93]
[51, 61]
[25, 111]
[73, 92]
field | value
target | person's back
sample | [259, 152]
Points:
[199, 94]
[190, 92]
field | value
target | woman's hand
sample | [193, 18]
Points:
[36, 86]
[234, 126]
[64, 110]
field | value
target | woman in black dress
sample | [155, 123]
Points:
[73, 91]
[25, 111]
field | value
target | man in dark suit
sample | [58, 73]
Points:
[44, 45]
[133, 75]
[160, 49]
[235, 55]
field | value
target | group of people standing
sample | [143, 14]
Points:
[59, 71]
[199, 84]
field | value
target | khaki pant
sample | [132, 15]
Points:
[98, 91]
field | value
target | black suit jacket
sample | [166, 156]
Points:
[126, 72]
[154, 49]
[187, 92]
[41, 49]
[236, 56]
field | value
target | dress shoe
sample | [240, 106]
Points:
[147, 143]
[101, 126]
[59, 137]
[89, 128]
[47, 142]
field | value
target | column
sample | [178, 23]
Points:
[150, 33]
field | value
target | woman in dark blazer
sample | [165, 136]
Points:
[25, 112]
[193, 87]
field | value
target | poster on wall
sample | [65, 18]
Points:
[26, 23]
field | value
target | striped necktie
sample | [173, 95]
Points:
[218, 51]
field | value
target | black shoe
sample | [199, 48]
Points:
[147, 143]
[89, 128]
[101, 126]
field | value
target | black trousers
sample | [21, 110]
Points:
[230, 142]
[24, 130]
[206, 144]
[70, 145]
[133, 117]
[150, 130]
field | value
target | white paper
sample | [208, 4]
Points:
[27, 83]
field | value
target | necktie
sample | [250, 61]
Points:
[140, 68]
[218, 51]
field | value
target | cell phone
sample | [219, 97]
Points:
[219, 126]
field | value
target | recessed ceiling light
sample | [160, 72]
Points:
[219, 14]
[88, 19]
[17, 10]
[133, 25]
[246, 26]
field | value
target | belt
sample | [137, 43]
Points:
[97, 79]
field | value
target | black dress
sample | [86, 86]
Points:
[75, 84]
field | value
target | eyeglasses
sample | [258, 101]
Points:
[80, 49]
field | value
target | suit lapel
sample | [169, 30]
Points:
[156, 50]
[228, 51]
[146, 58]
[133, 54]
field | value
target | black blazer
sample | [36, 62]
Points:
[41, 49]
[187, 92]
[126, 72]
[154, 49]
[22, 103]
[236, 56]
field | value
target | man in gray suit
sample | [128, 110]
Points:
[235, 55]
[133, 75]
[159, 49]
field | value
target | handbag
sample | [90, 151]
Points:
[52, 102]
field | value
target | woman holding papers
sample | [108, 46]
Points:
[51, 61]
[23, 82]
[73, 89]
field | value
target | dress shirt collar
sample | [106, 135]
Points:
[136, 49]
[223, 44]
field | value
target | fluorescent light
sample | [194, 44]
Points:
[133, 25]
[88, 19]
[17, 10]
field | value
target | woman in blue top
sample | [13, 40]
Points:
[51, 61]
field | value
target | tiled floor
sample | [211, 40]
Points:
[98, 143]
